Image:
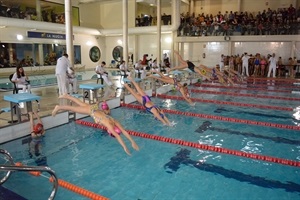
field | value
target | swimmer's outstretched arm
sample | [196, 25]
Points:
[126, 134]
[137, 87]
[137, 96]
[185, 96]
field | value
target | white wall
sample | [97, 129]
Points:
[192, 48]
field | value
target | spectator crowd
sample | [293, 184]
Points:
[283, 21]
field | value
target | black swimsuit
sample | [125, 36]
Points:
[191, 66]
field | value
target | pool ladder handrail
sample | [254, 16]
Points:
[12, 167]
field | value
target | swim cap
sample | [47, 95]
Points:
[38, 128]
[116, 129]
[104, 106]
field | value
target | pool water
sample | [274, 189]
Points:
[89, 158]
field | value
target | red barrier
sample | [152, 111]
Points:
[229, 119]
[226, 103]
[202, 146]
[246, 95]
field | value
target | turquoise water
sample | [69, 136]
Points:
[89, 158]
[35, 81]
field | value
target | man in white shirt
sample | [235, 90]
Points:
[272, 65]
[245, 64]
[61, 69]
[101, 73]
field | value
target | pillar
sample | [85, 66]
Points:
[69, 31]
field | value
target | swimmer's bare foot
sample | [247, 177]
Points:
[54, 112]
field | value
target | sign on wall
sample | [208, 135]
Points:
[32, 34]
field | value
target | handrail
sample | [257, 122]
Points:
[13, 167]
[11, 161]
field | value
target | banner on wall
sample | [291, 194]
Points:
[32, 34]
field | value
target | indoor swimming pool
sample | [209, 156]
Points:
[163, 170]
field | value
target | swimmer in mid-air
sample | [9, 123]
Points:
[145, 100]
[184, 64]
[112, 125]
[183, 89]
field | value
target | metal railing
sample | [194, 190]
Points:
[12, 168]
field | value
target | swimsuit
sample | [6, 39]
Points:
[94, 108]
[191, 66]
[214, 74]
[146, 99]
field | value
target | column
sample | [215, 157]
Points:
[11, 53]
[69, 30]
[158, 39]
[125, 31]
[239, 7]
[38, 10]
[41, 54]
[192, 6]
[135, 49]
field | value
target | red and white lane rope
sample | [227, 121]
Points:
[226, 103]
[201, 146]
[246, 95]
[221, 118]
[205, 85]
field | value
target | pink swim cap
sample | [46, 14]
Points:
[104, 106]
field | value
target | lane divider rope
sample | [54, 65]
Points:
[273, 79]
[221, 118]
[246, 95]
[70, 186]
[205, 85]
[268, 84]
[164, 96]
[201, 146]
